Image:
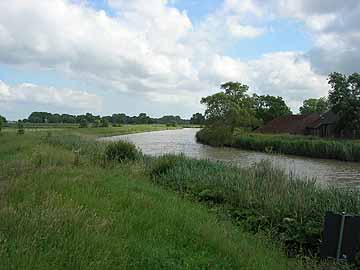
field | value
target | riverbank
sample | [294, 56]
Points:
[64, 211]
[345, 150]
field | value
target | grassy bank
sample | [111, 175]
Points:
[61, 211]
[92, 132]
[260, 198]
[345, 150]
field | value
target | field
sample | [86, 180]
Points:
[345, 150]
[61, 210]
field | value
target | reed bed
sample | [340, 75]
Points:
[345, 150]
[260, 199]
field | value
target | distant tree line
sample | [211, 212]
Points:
[97, 120]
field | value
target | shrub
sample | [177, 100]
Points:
[163, 164]
[83, 123]
[104, 122]
[20, 130]
[215, 136]
[171, 124]
[120, 151]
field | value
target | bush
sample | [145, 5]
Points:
[121, 151]
[171, 124]
[21, 129]
[215, 136]
[163, 164]
[83, 123]
[104, 122]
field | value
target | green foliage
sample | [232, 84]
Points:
[232, 108]
[55, 215]
[215, 136]
[83, 123]
[270, 107]
[285, 144]
[2, 122]
[163, 164]
[171, 124]
[197, 119]
[344, 98]
[121, 151]
[263, 198]
[314, 105]
[20, 128]
[104, 122]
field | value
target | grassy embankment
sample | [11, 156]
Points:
[58, 211]
[346, 150]
[92, 131]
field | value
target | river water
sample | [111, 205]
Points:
[325, 171]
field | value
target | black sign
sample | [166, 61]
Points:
[341, 237]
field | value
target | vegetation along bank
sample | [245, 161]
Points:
[333, 122]
[346, 150]
[108, 207]
[111, 206]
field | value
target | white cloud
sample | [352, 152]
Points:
[49, 96]
[152, 50]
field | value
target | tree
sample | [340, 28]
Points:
[314, 105]
[83, 123]
[232, 108]
[143, 119]
[269, 107]
[20, 126]
[197, 119]
[344, 99]
[2, 121]
[104, 122]
[39, 117]
[120, 118]
[67, 118]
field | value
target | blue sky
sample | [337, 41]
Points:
[161, 57]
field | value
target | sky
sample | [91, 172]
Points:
[161, 56]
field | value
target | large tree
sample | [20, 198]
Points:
[270, 107]
[314, 105]
[344, 99]
[231, 108]
[197, 119]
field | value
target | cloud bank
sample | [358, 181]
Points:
[150, 49]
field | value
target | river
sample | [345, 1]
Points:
[325, 171]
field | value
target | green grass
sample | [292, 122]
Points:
[92, 132]
[57, 214]
[346, 150]
[259, 199]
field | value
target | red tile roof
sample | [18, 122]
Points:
[292, 124]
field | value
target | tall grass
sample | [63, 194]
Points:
[55, 215]
[294, 145]
[261, 198]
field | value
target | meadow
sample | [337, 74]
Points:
[98, 209]
[345, 150]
